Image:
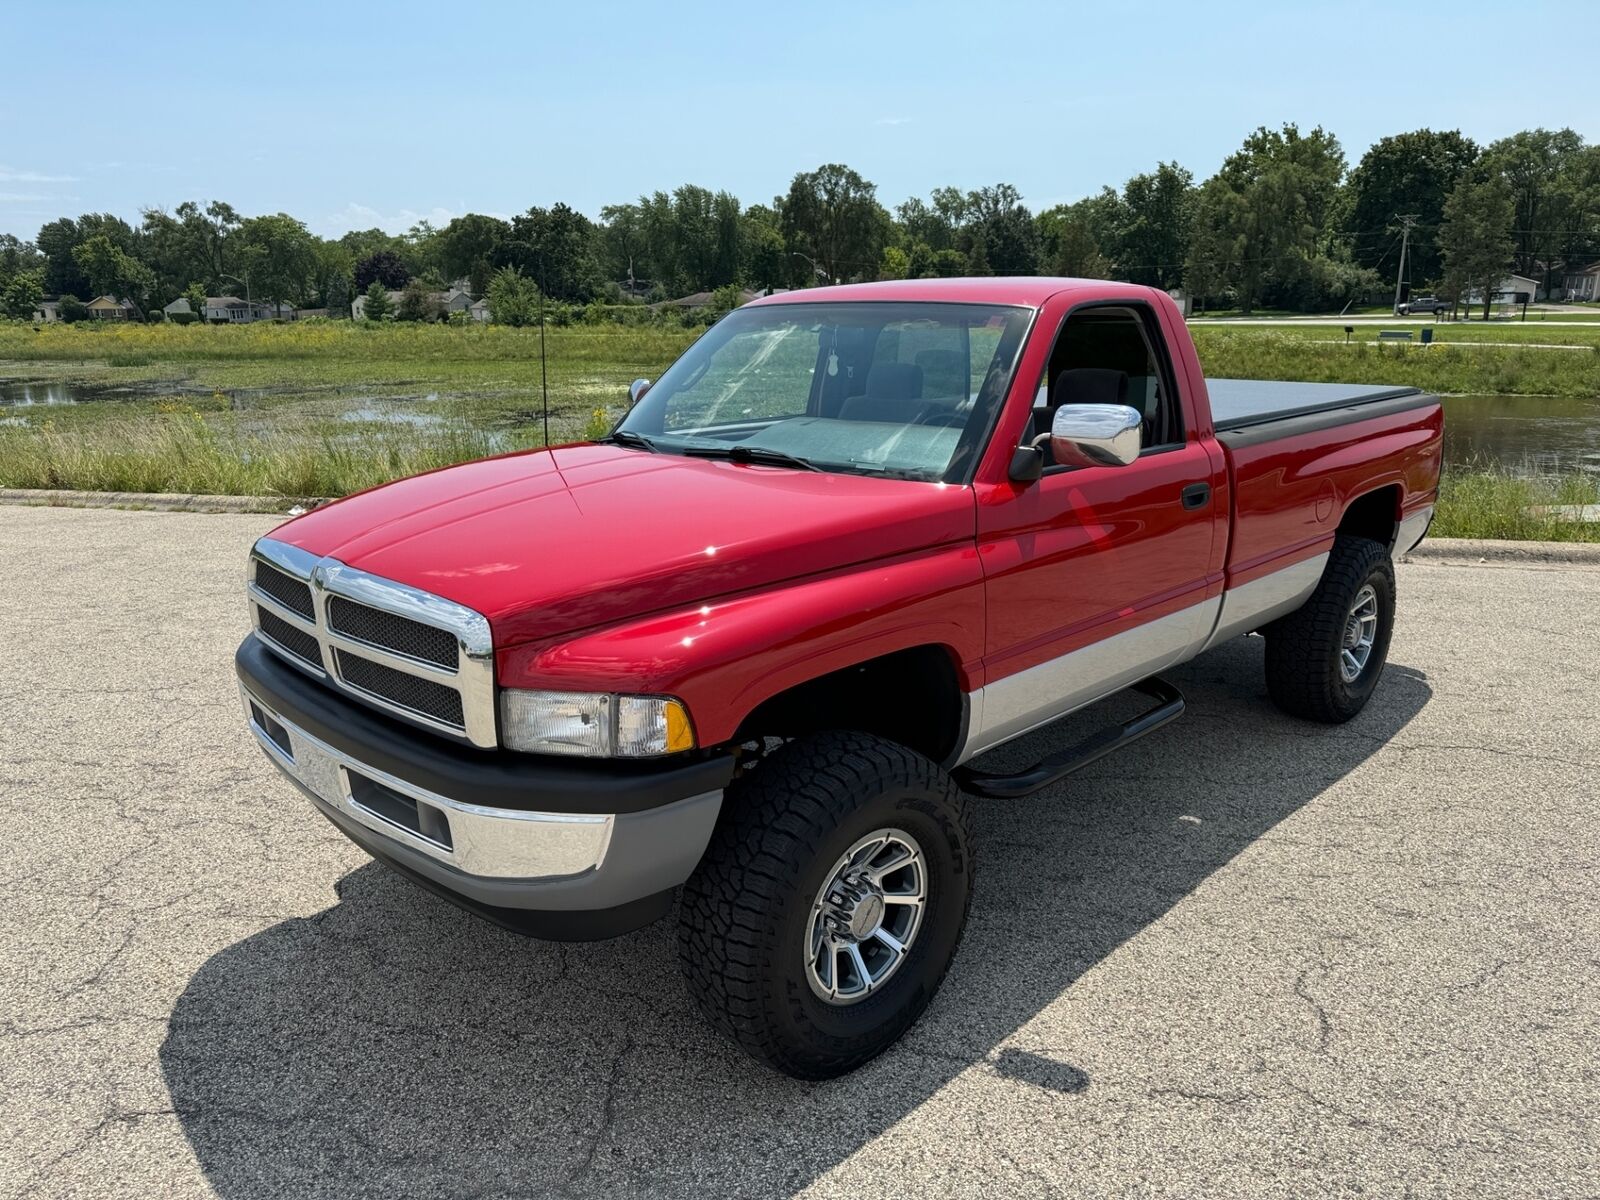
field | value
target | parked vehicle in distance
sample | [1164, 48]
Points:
[1424, 304]
[749, 644]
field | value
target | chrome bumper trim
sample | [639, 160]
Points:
[488, 843]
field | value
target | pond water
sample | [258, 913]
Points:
[1523, 434]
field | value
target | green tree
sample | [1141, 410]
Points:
[832, 216]
[1266, 215]
[20, 293]
[1076, 240]
[513, 298]
[1406, 174]
[195, 294]
[377, 306]
[896, 264]
[765, 258]
[470, 246]
[1476, 237]
[416, 303]
[278, 256]
[1157, 211]
[559, 246]
[111, 271]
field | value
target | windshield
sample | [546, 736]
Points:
[900, 389]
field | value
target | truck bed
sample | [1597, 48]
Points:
[1244, 403]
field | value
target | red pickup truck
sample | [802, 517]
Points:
[748, 645]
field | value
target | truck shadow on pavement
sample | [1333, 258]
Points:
[395, 1046]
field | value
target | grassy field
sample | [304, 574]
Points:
[323, 409]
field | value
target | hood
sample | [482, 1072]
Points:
[546, 542]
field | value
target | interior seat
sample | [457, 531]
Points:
[893, 395]
[1082, 385]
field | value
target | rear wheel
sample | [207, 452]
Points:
[830, 902]
[1324, 659]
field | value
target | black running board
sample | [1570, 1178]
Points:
[1169, 707]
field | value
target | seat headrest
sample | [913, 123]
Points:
[894, 381]
[1089, 385]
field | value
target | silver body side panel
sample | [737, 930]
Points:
[1412, 530]
[1019, 703]
[1252, 605]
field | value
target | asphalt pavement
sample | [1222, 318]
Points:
[1251, 957]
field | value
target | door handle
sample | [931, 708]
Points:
[1196, 495]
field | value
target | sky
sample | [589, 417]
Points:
[353, 116]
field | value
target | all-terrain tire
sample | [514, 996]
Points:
[747, 910]
[1305, 648]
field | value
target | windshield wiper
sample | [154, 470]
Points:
[759, 455]
[627, 437]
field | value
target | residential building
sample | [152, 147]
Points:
[1582, 283]
[1513, 289]
[230, 310]
[479, 310]
[47, 312]
[453, 300]
[110, 308]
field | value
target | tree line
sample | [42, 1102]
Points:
[1285, 223]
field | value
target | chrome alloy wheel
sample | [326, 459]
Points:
[866, 916]
[1360, 631]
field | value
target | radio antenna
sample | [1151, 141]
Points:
[544, 381]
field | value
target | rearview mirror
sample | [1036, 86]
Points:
[637, 389]
[1095, 435]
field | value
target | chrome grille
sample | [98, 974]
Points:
[419, 656]
[296, 641]
[286, 590]
[398, 634]
[437, 700]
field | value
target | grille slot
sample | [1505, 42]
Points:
[397, 634]
[292, 593]
[296, 641]
[436, 700]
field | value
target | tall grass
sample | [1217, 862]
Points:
[1497, 370]
[1492, 503]
[182, 452]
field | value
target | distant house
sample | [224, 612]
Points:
[453, 300]
[358, 306]
[230, 310]
[1513, 289]
[110, 308]
[47, 312]
[1582, 283]
[698, 300]
[479, 310]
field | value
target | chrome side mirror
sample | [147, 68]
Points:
[637, 389]
[1094, 435]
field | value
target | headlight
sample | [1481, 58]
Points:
[596, 724]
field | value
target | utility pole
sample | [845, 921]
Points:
[1406, 220]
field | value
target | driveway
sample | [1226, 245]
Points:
[1249, 957]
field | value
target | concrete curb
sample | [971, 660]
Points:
[156, 501]
[1474, 550]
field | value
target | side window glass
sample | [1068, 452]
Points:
[1103, 355]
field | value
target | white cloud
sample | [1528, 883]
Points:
[362, 216]
[14, 175]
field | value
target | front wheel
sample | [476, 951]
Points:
[829, 904]
[1324, 659]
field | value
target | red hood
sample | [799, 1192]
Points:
[543, 543]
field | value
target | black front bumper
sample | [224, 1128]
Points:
[495, 778]
[552, 848]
